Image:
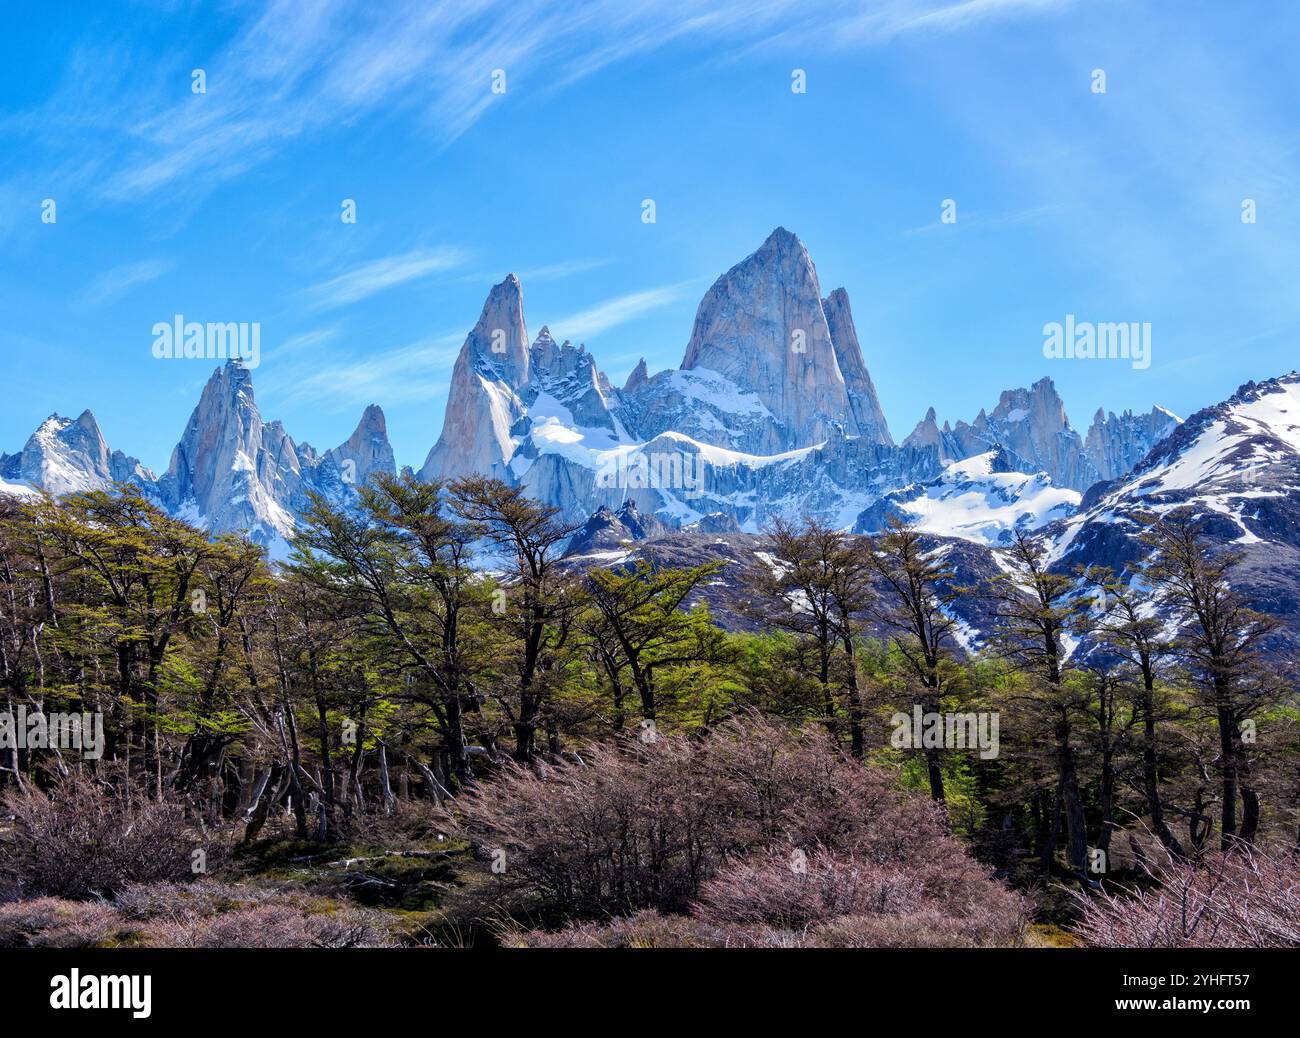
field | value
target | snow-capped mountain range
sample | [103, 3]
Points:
[982, 498]
[772, 411]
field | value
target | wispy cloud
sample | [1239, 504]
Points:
[307, 341]
[296, 70]
[118, 281]
[616, 311]
[555, 271]
[981, 221]
[949, 16]
[411, 373]
[532, 275]
[378, 275]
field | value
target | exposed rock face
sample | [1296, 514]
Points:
[610, 531]
[928, 434]
[1114, 445]
[714, 522]
[796, 417]
[367, 451]
[483, 400]
[638, 378]
[231, 471]
[863, 401]
[566, 376]
[1031, 424]
[763, 328]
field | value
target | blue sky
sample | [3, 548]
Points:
[225, 206]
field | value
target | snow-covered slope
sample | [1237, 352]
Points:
[772, 412]
[982, 499]
[1236, 465]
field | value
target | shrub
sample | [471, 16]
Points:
[1245, 898]
[649, 929]
[711, 826]
[49, 922]
[772, 888]
[207, 914]
[272, 925]
[82, 840]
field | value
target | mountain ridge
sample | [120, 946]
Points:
[772, 411]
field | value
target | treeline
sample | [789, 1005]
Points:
[386, 663]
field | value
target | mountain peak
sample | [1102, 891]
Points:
[65, 456]
[763, 328]
[639, 377]
[367, 450]
[477, 420]
[864, 403]
[781, 240]
[500, 338]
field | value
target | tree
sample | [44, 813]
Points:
[144, 566]
[1034, 610]
[531, 536]
[405, 565]
[917, 595]
[637, 623]
[815, 583]
[232, 579]
[1220, 639]
[1136, 636]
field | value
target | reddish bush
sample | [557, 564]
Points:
[1245, 898]
[82, 840]
[181, 900]
[274, 925]
[49, 922]
[712, 825]
[791, 890]
[204, 915]
[928, 928]
[644, 929]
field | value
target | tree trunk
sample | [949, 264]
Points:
[1150, 770]
[1076, 833]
